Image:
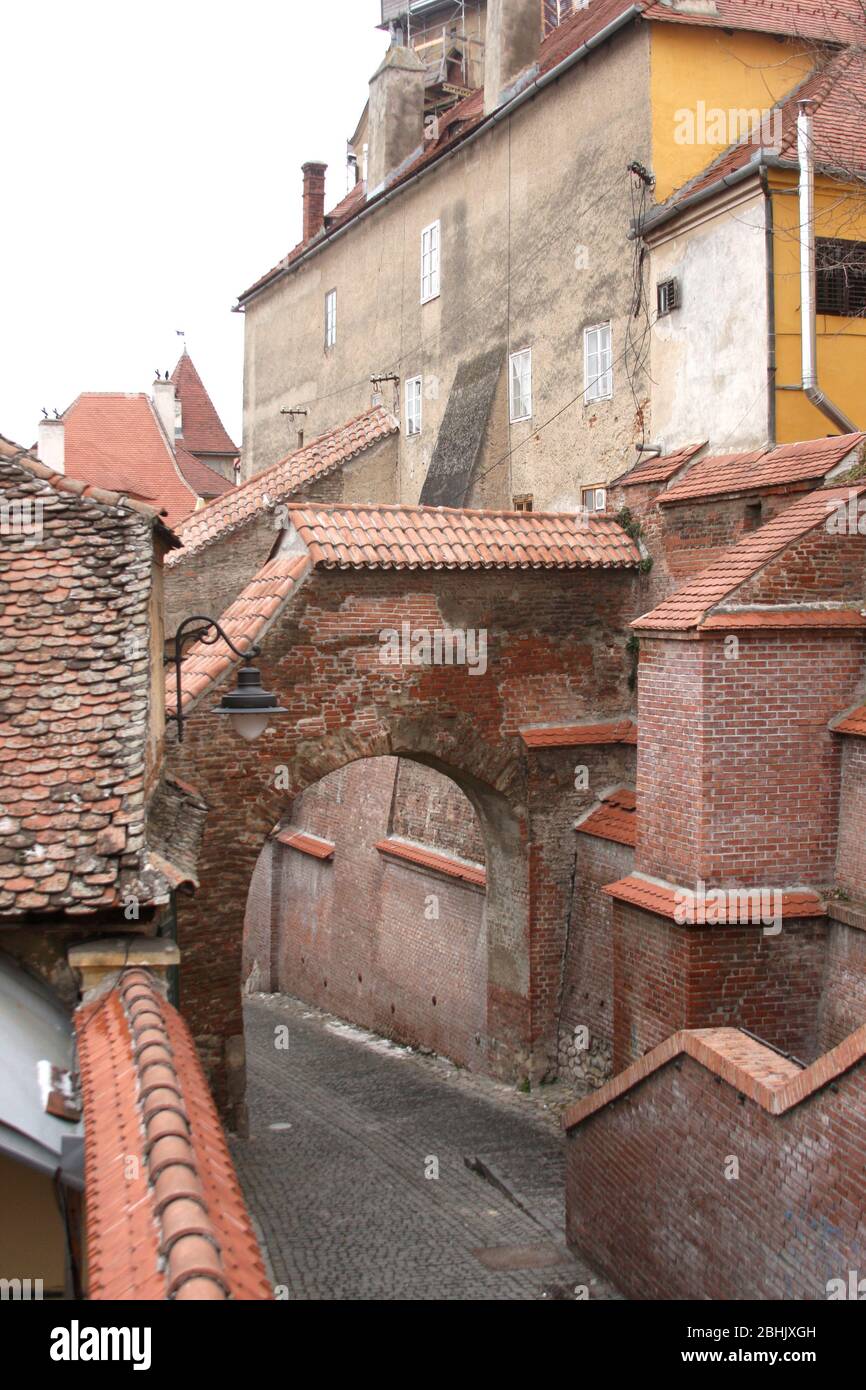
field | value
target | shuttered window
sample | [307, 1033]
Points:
[598, 363]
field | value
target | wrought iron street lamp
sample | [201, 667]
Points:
[249, 706]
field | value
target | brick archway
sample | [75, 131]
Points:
[555, 651]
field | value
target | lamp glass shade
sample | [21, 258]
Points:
[250, 725]
[249, 706]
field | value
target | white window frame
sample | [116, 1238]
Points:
[330, 319]
[523, 353]
[597, 380]
[431, 251]
[596, 491]
[414, 396]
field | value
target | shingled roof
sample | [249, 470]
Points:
[202, 429]
[806, 462]
[75, 590]
[165, 1215]
[614, 819]
[687, 608]
[409, 538]
[658, 470]
[282, 480]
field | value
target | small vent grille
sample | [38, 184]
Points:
[668, 296]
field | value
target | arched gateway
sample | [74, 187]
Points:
[436, 635]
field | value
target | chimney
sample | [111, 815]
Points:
[314, 199]
[164, 401]
[396, 119]
[52, 446]
[510, 47]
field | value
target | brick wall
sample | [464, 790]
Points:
[851, 856]
[432, 810]
[843, 996]
[587, 969]
[649, 1205]
[388, 946]
[668, 977]
[738, 774]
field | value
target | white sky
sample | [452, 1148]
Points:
[151, 170]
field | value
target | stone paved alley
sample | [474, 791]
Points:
[342, 1127]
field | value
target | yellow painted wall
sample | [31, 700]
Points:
[690, 65]
[839, 211]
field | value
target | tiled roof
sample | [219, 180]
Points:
[851, 723]
[203, 480]
[749, 619]
[773, 1082]
[282, 480]
[687, 607]
[307, 844]
[658, 470]
[243, 621]
[398, 537]
[576, 735]
[164, 1212]
[74, 634]
[116, 441]
[808, 461]
[615, 819]
[839, 138]
[839, 21]
[425, 858]
[664, 899]
[203, 430]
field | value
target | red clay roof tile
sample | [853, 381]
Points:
[686, 608]
[575, 735]
[425, 858]
[658, 470]
[306, 843]
[164, 1211]
[614, 819]
[808, 461]
[202, 429]
[668, 900]
[851, 723]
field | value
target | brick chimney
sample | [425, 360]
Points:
[510, 46]
[52, 444]
[314, 199]
[396, 120]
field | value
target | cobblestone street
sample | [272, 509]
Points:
[345, 1126]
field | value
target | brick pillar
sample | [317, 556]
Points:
[314, 199]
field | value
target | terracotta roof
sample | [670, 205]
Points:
[244, 621]
[307, 844]
[425, 858]
[74, 595]
[839, 21]
[773, 1082]
[839, 140]
[747, 619]
[203, 480]
[116, 441]
[853, 722]
[808, 461]
[686, 608]
[615, 819]
[203, 431]
[665, 899]
[658, 470]
[255, 497]
[164, 1211]
[399, 537]
[576, 735]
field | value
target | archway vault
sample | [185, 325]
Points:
[555, 651]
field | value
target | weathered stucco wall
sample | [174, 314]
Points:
[533, 250]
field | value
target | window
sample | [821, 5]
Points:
[330, 318]
[597, 363]
[840, 268]
[667, 296]
[413, 405]
[523, 503]
[520, 384]
[594, 499]
[430, 262]
[178, 419]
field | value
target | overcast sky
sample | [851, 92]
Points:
[151, 159]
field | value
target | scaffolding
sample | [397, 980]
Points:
[448, 36]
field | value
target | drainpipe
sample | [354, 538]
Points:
[808, 297]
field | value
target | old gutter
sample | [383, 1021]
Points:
[501, 114]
